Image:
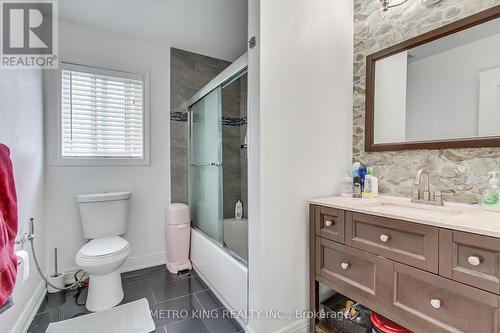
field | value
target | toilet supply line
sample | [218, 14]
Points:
[31, 237]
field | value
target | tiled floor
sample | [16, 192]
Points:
[187, 294]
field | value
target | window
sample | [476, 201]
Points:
[103, 116]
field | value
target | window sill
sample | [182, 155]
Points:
[100, 162]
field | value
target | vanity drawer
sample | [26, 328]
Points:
[406, 242]
[330, 223]
[363, 276]
[435, 304]
[471, 259]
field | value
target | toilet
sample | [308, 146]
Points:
[104, 217]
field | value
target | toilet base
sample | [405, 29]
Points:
[105, 291]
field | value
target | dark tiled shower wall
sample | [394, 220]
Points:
[233, 133]
[189, 72]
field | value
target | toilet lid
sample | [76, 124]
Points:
[103, 247]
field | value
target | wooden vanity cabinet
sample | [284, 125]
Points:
[431, 303]
[364, 276]
[406, 242]
[428, 279]
[470, 259]
[329, 223]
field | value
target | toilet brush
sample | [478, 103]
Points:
[57, 279]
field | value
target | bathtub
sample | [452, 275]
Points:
[236, 236]
[223, 272]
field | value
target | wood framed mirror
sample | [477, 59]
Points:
[438, 90]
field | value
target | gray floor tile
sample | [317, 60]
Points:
[175, 310]
[175, 289]
[132, 294]
[223, 324]
[161, 329]
[42, 321]
[187, 326]
[163, 290]
[208, 300]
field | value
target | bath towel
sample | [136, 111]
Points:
[8, 226]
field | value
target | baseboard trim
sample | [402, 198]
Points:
[24, 321]
[301, 326]
[133, 264]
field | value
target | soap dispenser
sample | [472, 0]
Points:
[491, 197]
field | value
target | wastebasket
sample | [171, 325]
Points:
[178, 237]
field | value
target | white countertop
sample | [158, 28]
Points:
[462, 217]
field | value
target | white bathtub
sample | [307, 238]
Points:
[236, 236]
[225, 275]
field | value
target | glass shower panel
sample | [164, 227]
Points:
[205, 193]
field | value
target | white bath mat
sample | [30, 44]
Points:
[133, 317]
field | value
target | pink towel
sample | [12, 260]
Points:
[8, 226]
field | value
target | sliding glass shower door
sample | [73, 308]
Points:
[205, 150]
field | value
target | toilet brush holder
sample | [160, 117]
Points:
[57, 280]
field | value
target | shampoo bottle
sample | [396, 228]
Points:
[371, 184]
[238, 210]
[491, 197]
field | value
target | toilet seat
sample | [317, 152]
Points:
[102, 248]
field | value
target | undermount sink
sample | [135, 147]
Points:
[415, 210]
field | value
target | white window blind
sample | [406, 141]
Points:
[102, 113]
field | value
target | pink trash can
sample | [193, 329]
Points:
[178, 237]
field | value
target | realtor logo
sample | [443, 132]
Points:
[29, 34]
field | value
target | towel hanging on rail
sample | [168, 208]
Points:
[8, 226]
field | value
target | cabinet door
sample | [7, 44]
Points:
[431, 303]
[330, 223]
[471, 259]
[409, 243]
[361, 276]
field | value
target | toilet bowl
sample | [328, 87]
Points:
[104, 218]
[101, 258]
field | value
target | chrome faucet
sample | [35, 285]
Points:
[424, 197]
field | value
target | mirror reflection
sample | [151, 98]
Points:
[444, 90]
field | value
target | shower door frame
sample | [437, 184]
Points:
[236, 70]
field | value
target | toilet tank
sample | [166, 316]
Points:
[104, 214]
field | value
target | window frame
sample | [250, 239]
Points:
[55, 104]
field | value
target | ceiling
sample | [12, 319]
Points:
[216, 28]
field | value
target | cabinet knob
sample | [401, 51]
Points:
[435, 303]
[384, 238]
[328, 223]
[345, 265]
[474, 260]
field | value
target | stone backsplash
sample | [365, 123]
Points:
[460, 173]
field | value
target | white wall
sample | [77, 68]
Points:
[390, 98]
[21, 128]
[150, 185]
[443, 89]
[306, 66]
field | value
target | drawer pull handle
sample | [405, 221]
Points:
[328, 223]
[345, 265]
[474, 260]
[435, 303]
[384, 238]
